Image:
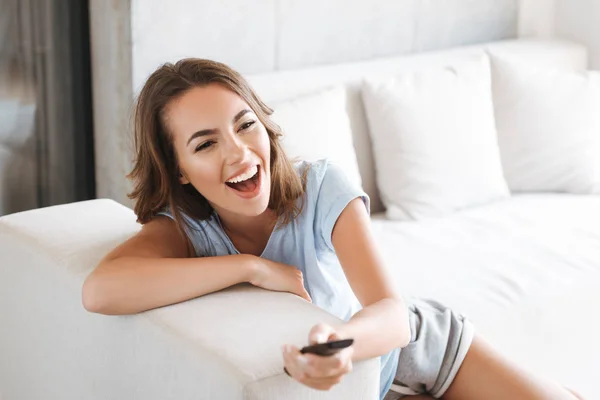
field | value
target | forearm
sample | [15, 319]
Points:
[378, 328]
[130, 285]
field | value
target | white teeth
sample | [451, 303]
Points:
[246, 175]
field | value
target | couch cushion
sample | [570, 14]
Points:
[316, 126]
[548, 127]
[435, 139]
[525, 270]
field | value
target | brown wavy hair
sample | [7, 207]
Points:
[155, 174]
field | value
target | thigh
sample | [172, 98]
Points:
[485, 374]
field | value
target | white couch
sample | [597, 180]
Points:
[526, 270]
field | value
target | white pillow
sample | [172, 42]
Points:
[316, 126]
[434, 140]
[548, 125]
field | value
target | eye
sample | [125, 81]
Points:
[204, 145]
[247, 125]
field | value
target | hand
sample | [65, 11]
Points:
[280, 277]
[318, 372]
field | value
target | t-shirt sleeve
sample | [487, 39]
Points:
[336, 190]
[191, 230]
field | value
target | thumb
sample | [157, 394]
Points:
[320, 333]
[305, 295]
[300, 290]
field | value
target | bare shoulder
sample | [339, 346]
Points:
[158, 238]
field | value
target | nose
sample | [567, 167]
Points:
[235, 149]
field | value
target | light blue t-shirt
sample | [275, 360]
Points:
[306, 244]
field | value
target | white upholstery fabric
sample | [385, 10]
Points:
[548, 127]
[217, 346]
[316, 126]
[525, 270]
[435, 138]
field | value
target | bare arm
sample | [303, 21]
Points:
[382, 324]
[151, 270]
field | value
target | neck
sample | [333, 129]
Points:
[253, 227]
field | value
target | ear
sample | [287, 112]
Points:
[183, 179]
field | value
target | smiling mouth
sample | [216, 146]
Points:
[248, 185]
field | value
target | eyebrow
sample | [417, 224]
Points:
[206, 132]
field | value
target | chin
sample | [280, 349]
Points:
[254, 209]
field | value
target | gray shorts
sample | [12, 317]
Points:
[440, 341]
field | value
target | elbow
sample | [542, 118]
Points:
[100, 297]
[406, 335]
[92, 296]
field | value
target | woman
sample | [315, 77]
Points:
[221, 204]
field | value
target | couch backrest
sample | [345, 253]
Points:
[286, 85]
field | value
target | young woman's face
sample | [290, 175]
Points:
[223, 149]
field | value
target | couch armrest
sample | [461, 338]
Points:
[223, 345]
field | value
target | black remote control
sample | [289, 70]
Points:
[325, 349]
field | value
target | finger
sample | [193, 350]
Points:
[292, 363]
[320, 333]
[296, 366]
[328, 380]
[304, 294]
[323, 367]
[323, 383]
[288, 367]
[302, 366]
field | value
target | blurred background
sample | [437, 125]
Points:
[69, 69]
[46, 127]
